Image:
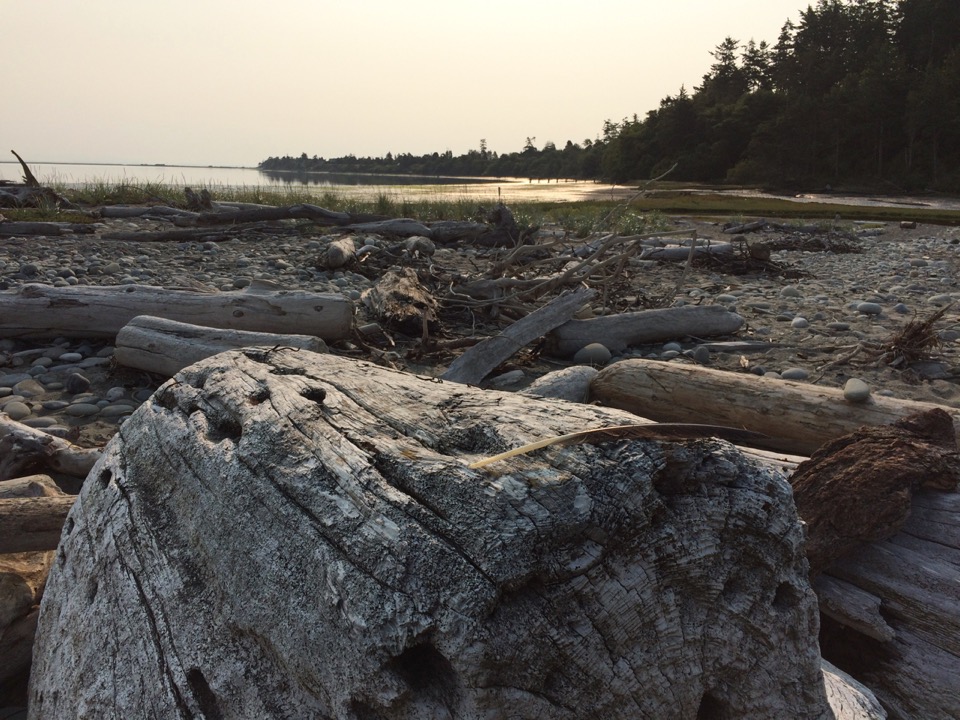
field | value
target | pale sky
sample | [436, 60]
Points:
[232, 82]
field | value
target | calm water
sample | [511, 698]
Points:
[410, 187]
[485, 190]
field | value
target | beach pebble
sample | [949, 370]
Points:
[82, 410]
[40, 422]
[592, 354]
[671, 347]
[794, 374]
[799, 322]
[114, 394]
[901, 309]
[701, 355]
[29, 388]
[856, 390]
[940, 299]
[17, 410]
[507, 379]
[76, 383]
[840, 326]
[790, 292]
[869, 308]
[70, 357]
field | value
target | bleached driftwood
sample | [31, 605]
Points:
[31, 524]
[281, 530]
[850, 699]
[29, 486]
[24, 449]
[45, 311]
[477, 362]
[164, 346]
[619, 331]
[797, 417]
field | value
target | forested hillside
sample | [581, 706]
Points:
[854, 93]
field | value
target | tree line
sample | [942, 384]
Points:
[855, 93]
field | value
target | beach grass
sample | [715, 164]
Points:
[642, 212]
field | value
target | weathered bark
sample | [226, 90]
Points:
[399, 300]
[282, 533]
[617, 332]
[852, 607]
[915, 574]
[25, 450]
[127, 211]
[22, 579]
[797, 417]
[164, 346]
[477, 362]
[45, 311]
[857, 488]
[33, 523]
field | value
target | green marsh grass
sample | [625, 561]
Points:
[427, 203]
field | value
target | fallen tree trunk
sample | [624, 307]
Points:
[164, 346]
[617, 332]
[29, 486]
[477, 362]
[11, 229]
[326, 548]
[24, 450]
[32, 524]
[797, 417]
[45, 311]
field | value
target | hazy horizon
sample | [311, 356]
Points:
[230, 84]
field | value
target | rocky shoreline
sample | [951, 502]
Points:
[799, 327]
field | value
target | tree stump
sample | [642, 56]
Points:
[285, 534]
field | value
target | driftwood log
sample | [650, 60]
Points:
[283, 534]
[617, 332]
[25, 450]
[44, 311]
[32, 523]
[797, 417]
[900, 635]
[680, 254]
[165, 346]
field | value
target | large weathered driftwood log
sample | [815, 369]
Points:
[45, 311]
[797, 417]
[165, 346]
[399, 300]
[646, 326]
[24, 450]
[912, 660]
[285, 533]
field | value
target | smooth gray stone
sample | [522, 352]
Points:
[17, 410]
[856, 390]
[82, 410]
[794, 374]
[869, 308]
[592, 354]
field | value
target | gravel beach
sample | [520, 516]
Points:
[801, 325]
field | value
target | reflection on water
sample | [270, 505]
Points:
[483, 190]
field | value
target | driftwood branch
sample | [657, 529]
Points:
[474, 364]
[164, 346]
